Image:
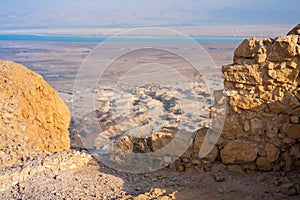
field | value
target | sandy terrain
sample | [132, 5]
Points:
[58, 62]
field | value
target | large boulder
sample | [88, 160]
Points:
[33, 118]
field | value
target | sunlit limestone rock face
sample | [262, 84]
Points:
[33, 118]
[262, 128]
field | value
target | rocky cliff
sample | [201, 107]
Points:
[33, 118]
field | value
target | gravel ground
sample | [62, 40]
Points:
[96, 181]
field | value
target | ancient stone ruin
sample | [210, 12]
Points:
[262, 127]
[33, 118]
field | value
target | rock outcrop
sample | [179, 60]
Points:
[262, 127]
[33, 118]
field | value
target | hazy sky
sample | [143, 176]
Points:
[90, 13]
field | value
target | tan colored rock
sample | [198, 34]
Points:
[199, 138]
[219, 177]
[33, 116]
[287, 161]
[295, 30]
[256, 126]
[125, 143]
[246, 74]
[236, 169]
[294, 62]
[252, 48]
[272, 128]
[160, 140]
[246, 48]
[212, 155]
[263, 164]
[295, 151]
[218, 167]
[290, 103]
[140, 145]
[180, 168]
[245, 102]
[219, 96]
[198, 141]
[158, 191]
[261, 57]
[239, 152]
[249, 167]
[275, 107]
[250, 114]
[294, 119]
[284, 48]
[272, 153]
[246, 126]
[294, 131]
[285, 75]
[272, 73]
[232, 125]
[287, 104]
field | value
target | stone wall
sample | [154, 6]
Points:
[262, 127]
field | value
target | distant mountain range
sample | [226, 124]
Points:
[18, 14]
[65, 19]
[9, 20]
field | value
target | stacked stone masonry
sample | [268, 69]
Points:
[262, 128]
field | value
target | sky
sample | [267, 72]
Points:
[144, 13]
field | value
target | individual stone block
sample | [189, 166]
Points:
[263, 164]
[293, 131]
[239, 152]
[246, 74]
[284, 48]
[272, 153]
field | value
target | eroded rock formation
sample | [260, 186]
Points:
[33, 118]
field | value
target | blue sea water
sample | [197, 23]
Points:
[55, 38]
